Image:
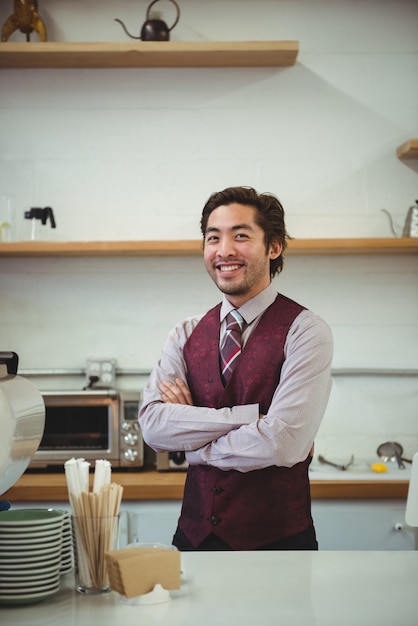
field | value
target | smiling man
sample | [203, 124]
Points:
[242, 390]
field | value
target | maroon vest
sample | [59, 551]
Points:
[256, 508]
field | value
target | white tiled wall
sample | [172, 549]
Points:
[134, 154]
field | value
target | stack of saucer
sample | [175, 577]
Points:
[67, 548]
[30, 554]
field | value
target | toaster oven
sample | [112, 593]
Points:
[91, 424]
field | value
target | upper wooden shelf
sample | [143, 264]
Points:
[374, 246]
[408, 150]
[148, 54]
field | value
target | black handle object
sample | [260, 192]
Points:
[41, 214]
[11, 360]
[49, 213]
[34, 214]
[177, 12]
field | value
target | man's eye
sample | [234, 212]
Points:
[241, 236]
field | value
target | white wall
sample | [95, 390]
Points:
[134, 154]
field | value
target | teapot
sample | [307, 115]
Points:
[410, 228]
[153, 29]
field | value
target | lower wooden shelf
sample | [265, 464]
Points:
[152, 485]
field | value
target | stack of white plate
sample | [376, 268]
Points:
[67, 549]
[31, 544]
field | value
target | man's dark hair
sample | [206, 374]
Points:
[269, 216]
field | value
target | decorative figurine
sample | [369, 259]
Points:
[25, 17]
[154, 29]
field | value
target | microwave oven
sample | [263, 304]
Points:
[91, 424]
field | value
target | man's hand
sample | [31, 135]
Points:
[176, 393]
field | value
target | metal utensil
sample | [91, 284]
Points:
[322, 460]
[392, 451]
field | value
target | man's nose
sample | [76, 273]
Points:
[226, 247]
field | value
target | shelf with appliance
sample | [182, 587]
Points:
[296, 247]
[408, 150]
[148, 54]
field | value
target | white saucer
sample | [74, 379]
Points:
[30, 555]
[29, 548]
[27, 598]
[29, 577]
[27, 585]
[37, 566]
[16, 518]
[15, 532]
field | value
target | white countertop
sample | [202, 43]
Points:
[251, 588]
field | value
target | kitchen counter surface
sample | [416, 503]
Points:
[326, 482]
[244, 588]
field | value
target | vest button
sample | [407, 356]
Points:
[214, 520]
[217, 490]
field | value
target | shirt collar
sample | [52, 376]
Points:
[254, 307]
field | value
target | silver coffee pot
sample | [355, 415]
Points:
[410, 228]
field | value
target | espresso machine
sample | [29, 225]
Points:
[22, 422]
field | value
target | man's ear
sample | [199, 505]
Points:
[275, 250]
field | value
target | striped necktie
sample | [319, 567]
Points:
[231, 344]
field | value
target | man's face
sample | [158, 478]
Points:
[235, 252]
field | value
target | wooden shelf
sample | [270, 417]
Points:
[306, 247]
[152, 485]
[365, 246]
[100, 248]
[408, 150]
[148, 54]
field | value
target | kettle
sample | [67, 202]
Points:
[410, 228]
[154, 29]
[22, 421]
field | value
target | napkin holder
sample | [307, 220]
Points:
[136, 571]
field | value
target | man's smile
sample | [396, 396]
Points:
[224, 267]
